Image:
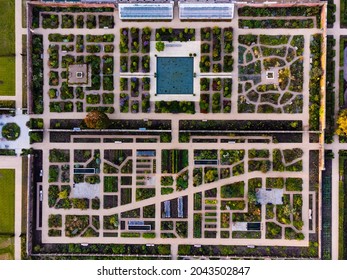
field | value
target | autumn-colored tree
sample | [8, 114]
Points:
[211, 175]
[63, 194]
[342, 123]
[97, 120]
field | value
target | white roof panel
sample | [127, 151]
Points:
[206, 11]
[145, 11]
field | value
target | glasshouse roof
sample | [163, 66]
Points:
[206, 11]
[146, 11]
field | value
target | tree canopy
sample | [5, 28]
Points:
[342, 123]
[97, 120]
[160, 46]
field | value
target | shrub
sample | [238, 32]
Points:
[67, 21]
[182, 181]
[292, 234]
[276, 23]
[134, 63]
[216, 106]
[142, 193]
[53, 194]
[80, 203]
[58, 155]
[124, 40]
[50, 21]
[91, 21]
[233, 190]
[160, 46]
[93, 99]
[273, 231]
[80, 21]
[108, 83]
[106, 21]
[111, 222]
[108, 98]
[35, 137]
[275, 183]
[95, 179]
[124, 102]
[167, 190]
[148, 235]
[10, 131]
[182, 229]
[166, 180]
[211, 175]
[75, 224]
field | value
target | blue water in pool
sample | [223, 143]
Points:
[175, 75]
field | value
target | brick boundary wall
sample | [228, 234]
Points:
[29, 60]
[99, 255]
[322, 122]
[32, 4]
[30, 206]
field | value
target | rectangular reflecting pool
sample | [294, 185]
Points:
[175, 75]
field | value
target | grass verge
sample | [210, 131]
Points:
[6, 248]
[7, 34]
[7, 186]
[7, 76]
[7, 48]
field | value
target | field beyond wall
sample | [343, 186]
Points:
[7, 188]
[7, 48]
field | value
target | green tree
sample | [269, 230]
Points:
[165, 137]
[252, 198]
[160, 46]
[114, 221]
[184, 137]
[11, 131]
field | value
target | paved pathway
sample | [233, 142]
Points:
[17, 162]
[175, 144]
[336, 31]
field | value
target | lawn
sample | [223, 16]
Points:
[7, 38]
[7, 76]
[6, 248]
[7, 188]
[7, 48]
[7, 177]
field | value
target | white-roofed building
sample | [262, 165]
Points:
[273, 196]
[205, 11]
[146, 11]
